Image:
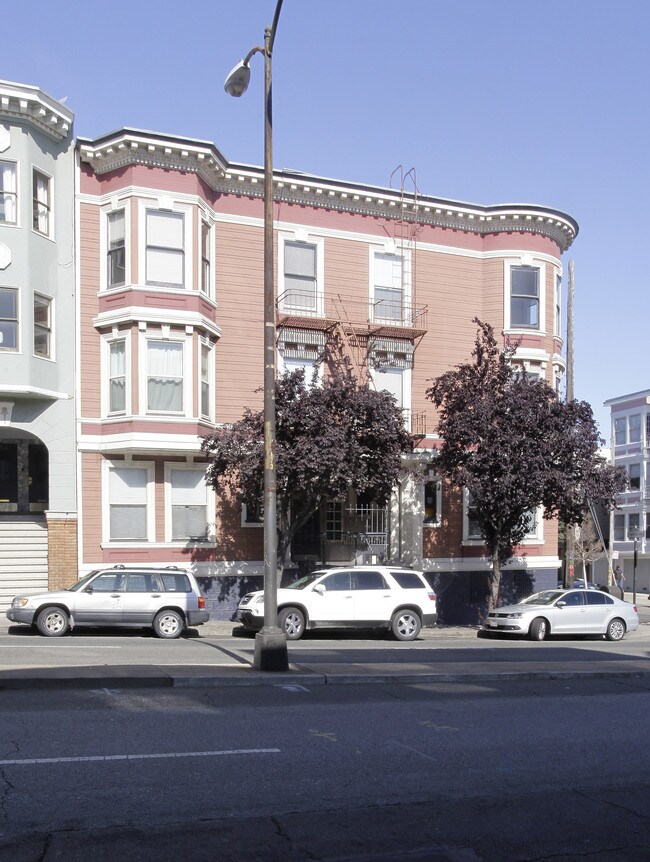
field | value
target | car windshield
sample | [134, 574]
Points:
[545, 598]
[301, 583]
[81, 583]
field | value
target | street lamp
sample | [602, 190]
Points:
[271, 641]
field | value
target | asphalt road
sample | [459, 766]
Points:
[500, 771]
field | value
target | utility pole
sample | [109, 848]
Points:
[570, 529]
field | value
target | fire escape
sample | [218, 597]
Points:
[381, 331]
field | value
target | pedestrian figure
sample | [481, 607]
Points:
[619, 577]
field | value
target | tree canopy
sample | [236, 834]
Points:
[514, 445]
[330, 437]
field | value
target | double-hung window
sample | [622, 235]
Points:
[42, 326]
[165, 376]
[432, 495]
[207, 377]
[619, 528]
[188, 504]
[388, 289]
[634, 475]
[128, 503]
[473, 529]
[634, 428]
[8, 198]
[117, 376]
[205, 257]
[116, 249]
[300, 278]
[165, 249]
[524, 297]
[42, 203]
[8, 318]
[557, 329]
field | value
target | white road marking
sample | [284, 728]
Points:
[84, 647]
[106, 757]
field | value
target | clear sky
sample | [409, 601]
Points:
[490, 101]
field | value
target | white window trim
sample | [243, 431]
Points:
[19, 208]
[209, 499]
[19, 321]
[432, 478]
[247, 525]
[210, 293]
[188, 365]
[536, 263]
[210, 417]
[103, 244]
[533, 538]
[399, 251]
[149, 466]
[309, 239]
[170, 206]
[50, 221]
[52, 356]
[105, 373]
[407, 377]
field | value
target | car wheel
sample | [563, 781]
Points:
[292, 622]
[538, 629]
[168, 624]
[53, 622]
[615, 630]
[405, 625]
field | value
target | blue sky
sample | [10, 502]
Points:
[490, 101]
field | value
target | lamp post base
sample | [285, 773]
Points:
[271, 650]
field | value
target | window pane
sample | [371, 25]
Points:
[189, 522]
[524, 281]
[165, 376]
[7, 193]
[8, 319]
[128, 522]
[620, 431]
[165, 229]
[388, 271]
[116, 249]
[164, 267]
[634, 423]
[300, 259]
[42, 307]
[128, 485]
[391, 380]
[117, 395]
[523, 312]
[619, 528]
[41, 203]
[430, 502]
[117, 377]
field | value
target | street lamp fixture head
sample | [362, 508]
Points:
[238, 79]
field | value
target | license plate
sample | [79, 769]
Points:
[492, 623]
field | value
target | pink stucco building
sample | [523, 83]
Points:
[170, 337]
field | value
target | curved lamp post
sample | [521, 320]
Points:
[270, 642]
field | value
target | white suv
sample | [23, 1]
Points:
[361, 597]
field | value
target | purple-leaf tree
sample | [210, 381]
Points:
[515, 446]
[330, 437]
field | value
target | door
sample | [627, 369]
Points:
[142, 598]
[100, 602]
[373, 598]
[572, 617]
[599, 608]
[336, 602]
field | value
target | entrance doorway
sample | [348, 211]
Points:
[24, 477]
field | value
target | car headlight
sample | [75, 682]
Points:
[19, 602]
[259, 600]
[515, 616]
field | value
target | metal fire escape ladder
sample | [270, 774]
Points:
[349, 337]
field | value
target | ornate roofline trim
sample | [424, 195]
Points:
[30, 104]
[128, 146]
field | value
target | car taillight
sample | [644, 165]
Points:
[635, 610]
[432, 596]
[201, 603]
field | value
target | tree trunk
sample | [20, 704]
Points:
[495, 581]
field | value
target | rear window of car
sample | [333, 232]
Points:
[175, 583]
[369, 581]
[597, 598]
[408, 580]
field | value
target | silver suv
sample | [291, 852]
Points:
[361, 597]
[167, 600]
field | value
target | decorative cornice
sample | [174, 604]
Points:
[130, 147]
[30, 104]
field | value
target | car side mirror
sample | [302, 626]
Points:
[560, 604]
[88, 589]
[320, 589]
